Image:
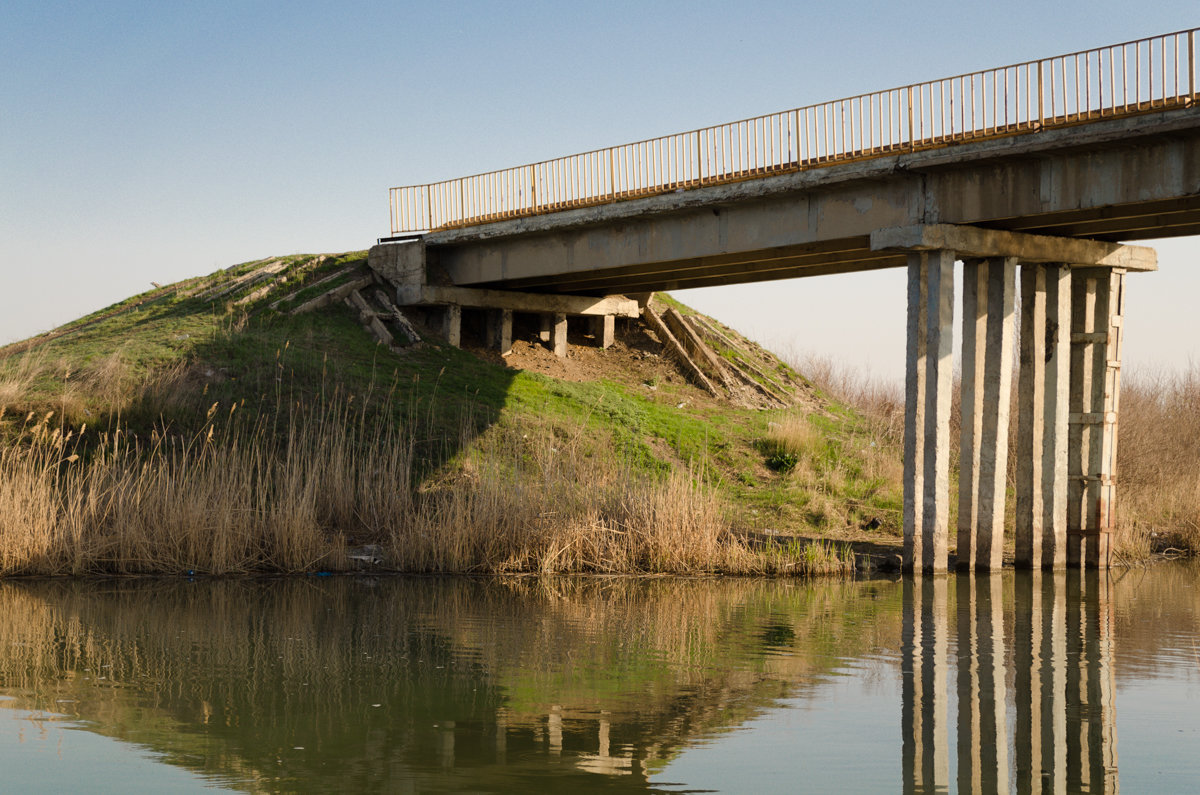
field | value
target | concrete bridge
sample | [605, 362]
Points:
[1042, 167]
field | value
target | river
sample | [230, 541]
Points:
[1013, 682]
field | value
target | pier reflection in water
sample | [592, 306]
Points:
[1058, 657]
[967, 683]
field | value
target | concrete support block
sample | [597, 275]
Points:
[560, 335]
[927, 409]
[989, 311]
[923, 716]
[546, 322]
[604, 330]
[452, 325]
[1041, 520]
[1096, 335]
[500, 326]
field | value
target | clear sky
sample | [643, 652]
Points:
[154, 141]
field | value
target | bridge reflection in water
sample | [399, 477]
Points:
[1046, 654]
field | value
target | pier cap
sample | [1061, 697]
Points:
[977, 242]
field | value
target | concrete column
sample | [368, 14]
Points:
[560, 335]
[546, 322]
[452, 325]
[1091, 758]
[927, 409]
[1041, 520]
[982, 697]
[1096, 331]
[989, 309]
[1041, 685]
[554, 727]
[500, 324]
[604, 330]
[925, 732]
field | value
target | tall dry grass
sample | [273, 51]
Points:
[18, 375]
[1158, 459]
[296, 491]
[879, 401]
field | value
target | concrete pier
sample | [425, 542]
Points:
[500, 330]
[1098, 298]
[989, 310]
[452, 325]
[1069, 379]
[604, 330]
[559, 337]
[927, 409]
[1041, 519]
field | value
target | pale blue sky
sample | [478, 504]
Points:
[155, 141]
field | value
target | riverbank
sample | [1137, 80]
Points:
[180, 432]
[208, 427]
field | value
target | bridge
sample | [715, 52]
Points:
[1046, 167]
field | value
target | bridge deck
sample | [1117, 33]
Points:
[1122, 179]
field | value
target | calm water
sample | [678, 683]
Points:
[1016, 683]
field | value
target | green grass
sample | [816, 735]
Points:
[163, 359]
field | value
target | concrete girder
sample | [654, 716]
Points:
[426, 294]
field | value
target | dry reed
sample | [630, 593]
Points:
[294, 493]
[1158, 460]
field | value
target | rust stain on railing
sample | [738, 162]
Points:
[1107, 82]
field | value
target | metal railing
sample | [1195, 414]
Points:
[1107, 82]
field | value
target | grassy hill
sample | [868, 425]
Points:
[206, 426]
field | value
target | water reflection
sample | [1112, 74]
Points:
[1062, 679]
[428, 684]
[982, 691]
[924, 665]
[1000, 683]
